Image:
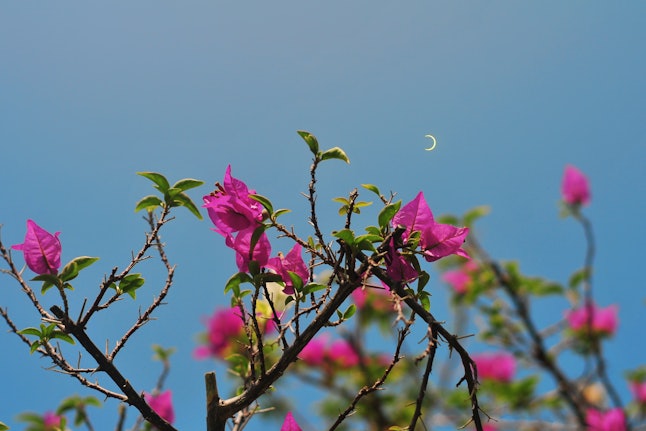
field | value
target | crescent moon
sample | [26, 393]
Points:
[434, 142]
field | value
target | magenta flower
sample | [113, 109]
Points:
[223, 328]
[343, 354]
[314, 352]
[162, 404]
[293, 262]
[639, 391]
[575, 188]
[290, 423]
[604, 320]
[499, 367]
[436, 240]
[242, 246]
[230, 207]
[459, 279]
[398, 267]
[51, 421]
[612, 420]
[376, 299]
[489, 427]
[41, 249]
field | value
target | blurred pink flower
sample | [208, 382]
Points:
[222, 329]
[436, 240]
[293, 262]
[639, 391]
[337, 355]
[489, 427]
[290, 423]
[230, 207]
[375, 298]
[612, 420]
[51, 420]
[498, 367]
[314, 352]
[575, 188]
[458, 279]
[604, 320]
[162, 404]
[41, 249]
[343, 354]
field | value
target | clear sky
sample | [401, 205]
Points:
[92, 92]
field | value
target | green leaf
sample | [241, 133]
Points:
[148, 203]
[578, 277]
[187, 184]
[162, 354]
[235, 281]
[425, 300]
[387, 214]
[346, 235]
[313, 287]
[280, 212]
[72, 269]
[3, 427]
[49, 280]
[34, 346]
[297, 281]
[335, 153]
[475, 213]
[310, 140]
[130, 283]
[63, 336]
[266, 203]
[349, 312]
[160, 180]
[185, 201]
[30, 331]
[372, 188]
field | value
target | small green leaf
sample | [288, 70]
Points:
[341, 201]
[185, 201]
[161, 354]
[266, 203]
[3, 427]
[148, 203]
[236, 280]
[34, 346]
[30, 331]
[475, 213]
[130, 283]
[160, 180]
[72, 269]
[387, 214]
[187, 184]
[49, 280]
[297, 281]
[335, 153]
[63, 336]
[346, 235]
[279, 212]
[313, 287]
[578, 277]
[310, 140]
[372, 188]
[349, 312]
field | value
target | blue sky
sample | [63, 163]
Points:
[90, 93]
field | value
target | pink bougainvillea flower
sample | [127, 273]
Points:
[222, 329]
[51, 421]
[292, 262]
[374, 298]
[41, 249]
[314, 352]
[398, 267]
[639, 391]
[612, 420]
[230, 207]
[575, 188]
[436, 240]
[489, 427]
[242, 245]
[604, 320]
[459, 279]
[331, 356]
[290, 423]
[162, 404]
[343, 354]
[499, 367]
